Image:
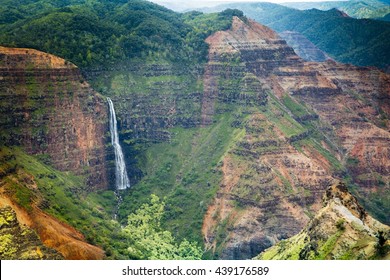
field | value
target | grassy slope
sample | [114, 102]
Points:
[185, 172]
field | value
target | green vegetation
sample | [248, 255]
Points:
[325, 250]
[61, 194]
[7, 249]
[96, 32]
[348, 40]
[282, 118]
[299, 110]
[203, 25]
[147, 240]
[185, 171]
[301, 246]
[285, 250]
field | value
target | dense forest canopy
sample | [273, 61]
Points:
[96, 32]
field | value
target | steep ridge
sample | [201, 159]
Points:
[291, 161]
[48, 109]
[342, 229]
[263, 173]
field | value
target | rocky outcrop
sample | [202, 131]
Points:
[47, 107]
[318, 115]
[342, 229]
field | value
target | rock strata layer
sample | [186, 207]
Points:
[275, 176]
[48, 108]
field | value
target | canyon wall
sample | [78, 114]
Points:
[151, 97]
[49, 112]
[319, 122]
[48, 108]
[267, 133]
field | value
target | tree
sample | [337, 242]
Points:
[147, 240]
[380, 245]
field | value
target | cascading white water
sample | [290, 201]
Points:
[122, 180]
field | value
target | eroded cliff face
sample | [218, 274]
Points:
[358, 114]
[314, 120]
[48, 109]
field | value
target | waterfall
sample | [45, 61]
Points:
[121, 178]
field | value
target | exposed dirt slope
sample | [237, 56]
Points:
[67, 241]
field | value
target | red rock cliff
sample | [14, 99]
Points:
[280, 185]
[48, 109]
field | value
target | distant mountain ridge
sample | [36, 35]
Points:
[362, 42]
[354, 8]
